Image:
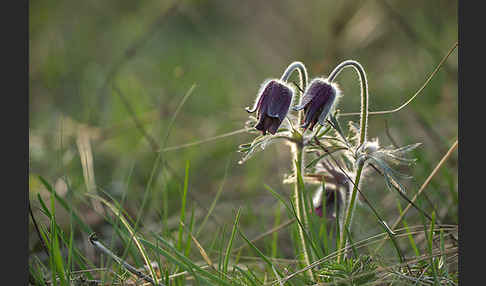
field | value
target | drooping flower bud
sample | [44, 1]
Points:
[317, 102]
[331, 197]
[337, 190]
[272, 105]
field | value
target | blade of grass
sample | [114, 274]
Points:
[410, 237]
[67, 206]
[246, 275]
[338, 226]
[41, 240]
[182, 261]
[70, 247]
[55, 248]
[230, 242]
[275, 234]
[80, 259]
[323, 230]
[259, 253]
[188, 240]
[313, 234]
[183, 207]
[220, 257]
[430, 238]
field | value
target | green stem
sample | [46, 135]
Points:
[364, 93]
[299, 66]
[349, 213]
[362, 139]
[297, 152]
[297, 148]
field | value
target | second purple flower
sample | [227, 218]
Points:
[318, 99]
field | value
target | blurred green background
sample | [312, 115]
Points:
[94, 66]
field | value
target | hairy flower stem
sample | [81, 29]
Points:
[364, 93]
[362, 139]
[297, 149]
[299, 66]
[299, 201]
[303, 76]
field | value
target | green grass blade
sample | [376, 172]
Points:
[78, 257]
[230, 242]
[55, 248]
[70, 247]
[67, 206]
[259, 253]
[407, 229]
[183, 207]
[36, 273]
[275, 234]
[248, 277]
[430, 238]
[323, 229]
[181, 260]
[313, 234]
[188, 239]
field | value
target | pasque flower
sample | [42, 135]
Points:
[317, 102]
[335, 193]
[272, 105]
[332, 198]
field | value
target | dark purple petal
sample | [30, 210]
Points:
[261, 97]
[281, 96]
[325, 110]
[267, 123]
[272, 107]
[306, 98]
[311, 114]
[274, 125]
[261, 125]
[318, 100]
[257, 105]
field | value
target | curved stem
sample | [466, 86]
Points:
[303, 76]
[364, 93]
[297, 150]
[299, 66]
[362, 139]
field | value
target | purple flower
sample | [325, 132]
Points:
[330, 200]
[337, 189]
[272, 105]
[317, 102]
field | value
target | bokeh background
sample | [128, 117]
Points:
[107, 79]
